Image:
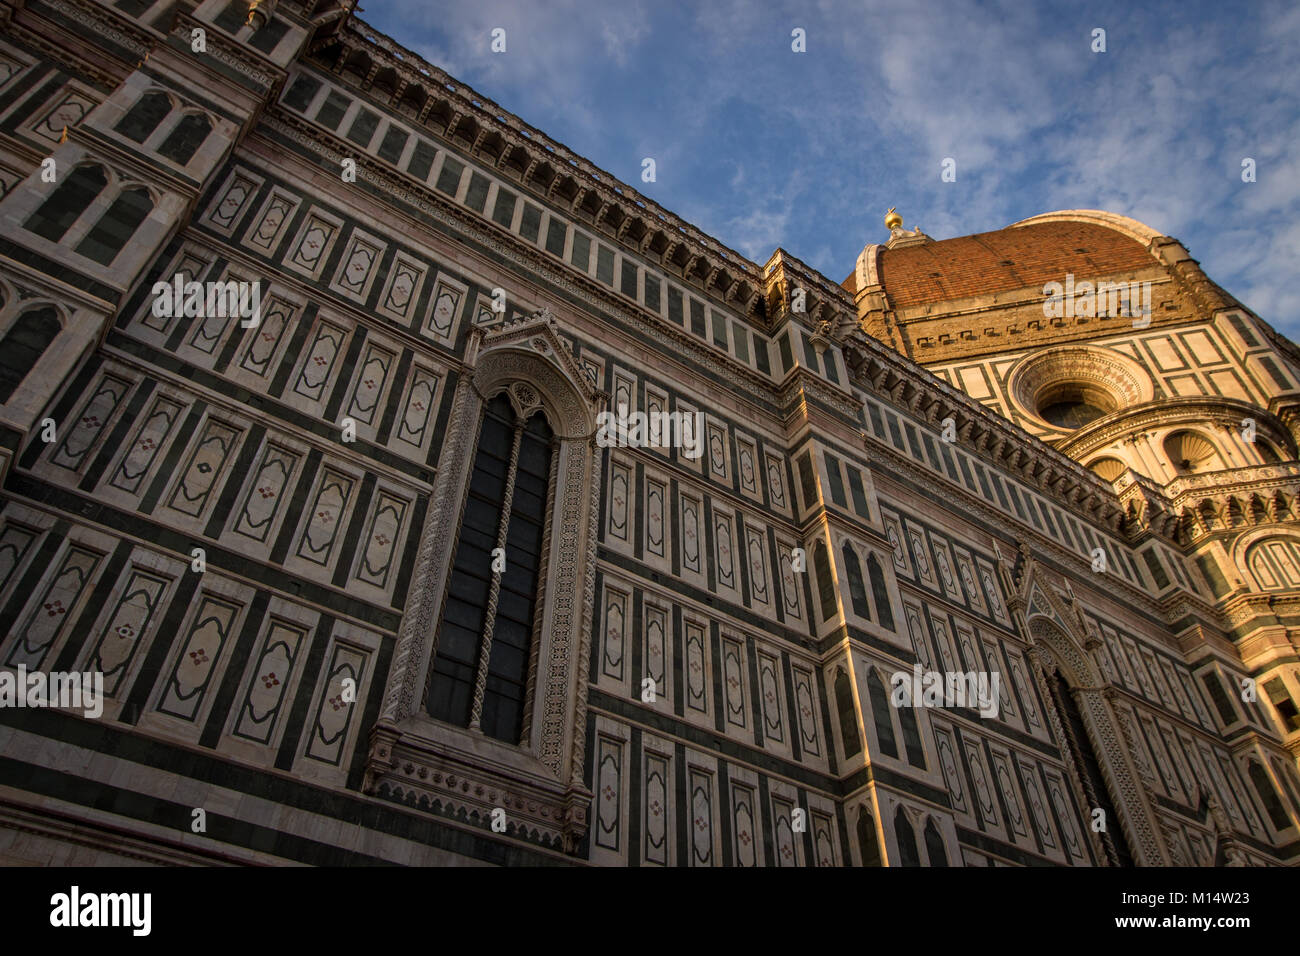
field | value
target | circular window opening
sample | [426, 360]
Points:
[1072, 405]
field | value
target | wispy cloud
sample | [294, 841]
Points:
[762, 146]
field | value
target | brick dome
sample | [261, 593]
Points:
[1016, 257]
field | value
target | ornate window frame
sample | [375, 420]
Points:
[423, 762]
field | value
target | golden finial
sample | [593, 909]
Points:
[893, 220]
[64, 138]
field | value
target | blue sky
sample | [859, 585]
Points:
[761, 147]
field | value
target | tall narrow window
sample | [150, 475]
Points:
[1272, 803]
[908, 855]
[21, 347]
[182, 142]
[934, 844]
[1222, 702]
[911, 735]
[868, 845]
[68, 201]
[880, 592]
[825, 581]
[857, 590]
[116, 227]
[1085, 760]
[880, 707]
[480, 671]
[143, 118]
[848, 715]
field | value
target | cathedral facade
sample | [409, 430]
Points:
[419, 493]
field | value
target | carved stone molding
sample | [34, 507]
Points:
[452, 770]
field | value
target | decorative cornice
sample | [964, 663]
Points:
[652, 227]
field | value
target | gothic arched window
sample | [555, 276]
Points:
[934, 844]
[880, 592]
[67, 202]
[480, 672]
[1089, 768]
[848, 715]
[23, 345]
[143, 118]
[857, 590]
[116, 227]
[880, 713]
[1272, 803]
[908, 855]
[825, 581]
[911, 735]
[183, 141]
[868, 845]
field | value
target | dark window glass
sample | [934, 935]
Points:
[580, 255]
[1156, 569]
[232, 18]
[143, 118]
[301, 93]
[807, 483]
[452, 683]
[848, 715]
[719, 330]
[880, 592]
[810, 355]
[697, 318]
[182, 142]
[832, 372]
[466, 628]
[857, 589]
[628, 281]
[836, 481]
[868, 845]
[133, 8]
[422, 158]
[859, 493]
[907, 852]
[530, 224]
[503, 210]
[880, 708]
[68, 201]
[503, 700]
[675, 306]
[787, 359]
[760, 356]
[555, 230]
[825, 581]
[1281, 699]
[23, 345]
[911, 735]
[1085, 759]
[1222, 703]
[1272, 802]
[116, 227]
[363, 127]
[449, 176]
[332, 110]
[394, 141]
[934, 845]
[1071, 413]
[652, 291]
[476, 195]
[269, 37]
[605, 265]
[741, 340]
